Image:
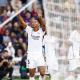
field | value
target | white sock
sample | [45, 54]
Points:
[41, 77]
[31, 78]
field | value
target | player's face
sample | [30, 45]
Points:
[34, 23]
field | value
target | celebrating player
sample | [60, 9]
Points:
[35, 35]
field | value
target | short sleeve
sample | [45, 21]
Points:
[28, 29]
[43, 32]
[44, 40]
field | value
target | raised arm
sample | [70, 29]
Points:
[23, 23]
[40, 18]
[42, 23]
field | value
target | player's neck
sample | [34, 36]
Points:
[36, 29]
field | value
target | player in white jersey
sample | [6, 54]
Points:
[35, 36]
[51, 44]
[74, 54]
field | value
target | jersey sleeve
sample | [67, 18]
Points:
[28, 29]
[44, 40]
[43, 32]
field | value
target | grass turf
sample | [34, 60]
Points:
[17, 78]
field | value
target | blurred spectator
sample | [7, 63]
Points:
[6, 37]
[27, 17]
[4, 15]
[9, 11]
[3, 2]
[1, 39]
[24, 45]
[6, 66]
[13, 36]
[24, 1]
[23, 68]
[10, 25]
[2, 46]
[20, 40]
[15, 27]
[17, 30]
[10, 49]
[19, 52]
[1, 19]
[2, 30]
[34, 10]
[40, 2]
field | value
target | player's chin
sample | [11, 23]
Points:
[33, 26]
[36, 26]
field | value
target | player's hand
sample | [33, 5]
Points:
[39, 12]
[39, 15]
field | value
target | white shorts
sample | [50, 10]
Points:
[35, 60]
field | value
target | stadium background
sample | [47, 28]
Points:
[62, 17]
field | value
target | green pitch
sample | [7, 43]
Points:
[36, 78]
[47, 78]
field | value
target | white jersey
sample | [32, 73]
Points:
[34, 40]
[74, 50]
[50, 43]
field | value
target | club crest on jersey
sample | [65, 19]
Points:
[35, 36]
